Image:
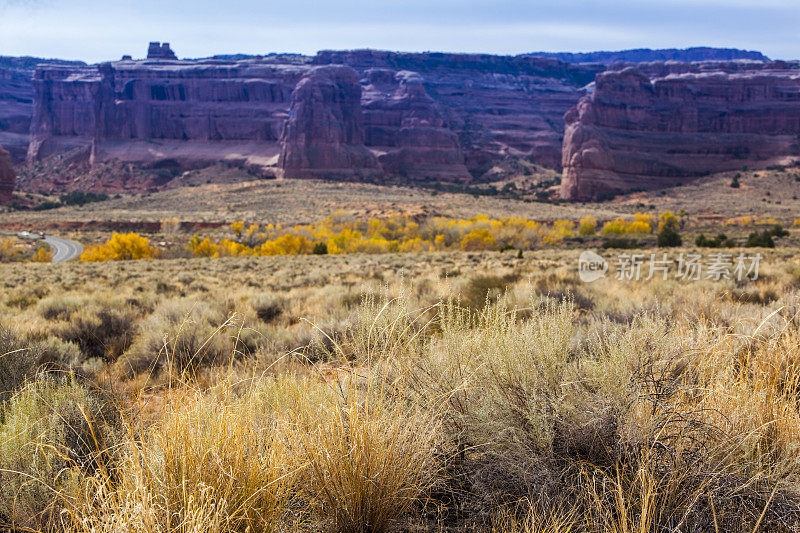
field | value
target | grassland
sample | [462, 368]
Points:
[416, 392]
[439, 391]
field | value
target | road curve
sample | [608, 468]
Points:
[63, 249]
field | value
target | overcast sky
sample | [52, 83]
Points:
[103, 30]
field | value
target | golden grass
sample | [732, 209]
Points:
[370, 405]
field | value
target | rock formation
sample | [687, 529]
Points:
[405, 125]
[638, 131]
[418, 116]
[191, 112]
[368, 114]
[324, 136]
[16, 101]
[7, 177]
[158, 50]
[499, 106]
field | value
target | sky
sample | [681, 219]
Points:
[96, 31]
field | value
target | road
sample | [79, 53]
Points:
[63, 249]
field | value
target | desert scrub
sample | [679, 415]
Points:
[22, 359]
[216, 463]
[183, 336]
[53, 432]
[268, 306]
[263, 456]
[101, 328]
[369, 456]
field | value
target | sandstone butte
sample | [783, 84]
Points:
[657, 125]
[614, 123]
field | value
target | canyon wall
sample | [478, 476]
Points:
[663, 124]
[357, 115]
[499, 107]
[189, 112]
[16, 101]
[324, 136]
[612, 126]
[646, 55]
[7, 177]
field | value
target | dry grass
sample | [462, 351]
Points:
[442, 392]
[291, 202]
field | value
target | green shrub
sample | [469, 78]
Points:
[778, 231]
[622, 243]
[53, 432]
[720, 241]
[668, 237]
[760, 240]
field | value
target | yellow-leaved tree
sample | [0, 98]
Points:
[587, 226]
[120, 247]
[43, 255]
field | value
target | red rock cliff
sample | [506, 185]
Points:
[638, 131]
[498, 106]
[7, 177]
[406, 127]
[324, 136]
[16, 101]
[419, 116]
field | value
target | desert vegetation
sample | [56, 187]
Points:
[452, 391]
[345, 233]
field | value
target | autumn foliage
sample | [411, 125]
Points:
[342, 233]
[120, 247]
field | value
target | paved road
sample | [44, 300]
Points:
[63, 249]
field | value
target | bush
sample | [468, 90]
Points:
[668, 220]
[587, 226]
[45, 206]
[621, 243]
[720, 241]
[669, 237]
[21, 360]
[760, 240]
[480, 290]
[615, 227]
[101, 329]
[183, 336]
[778, 231]
[54, 431]
[120, 247]
[81, 198]
[268, 306]
[320, 248]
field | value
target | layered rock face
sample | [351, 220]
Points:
[16, 101]
[406, 127]
[324, 135]
[369, 114]
[498, 106]
[146, 111]
[7, 177]
[664, 124]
